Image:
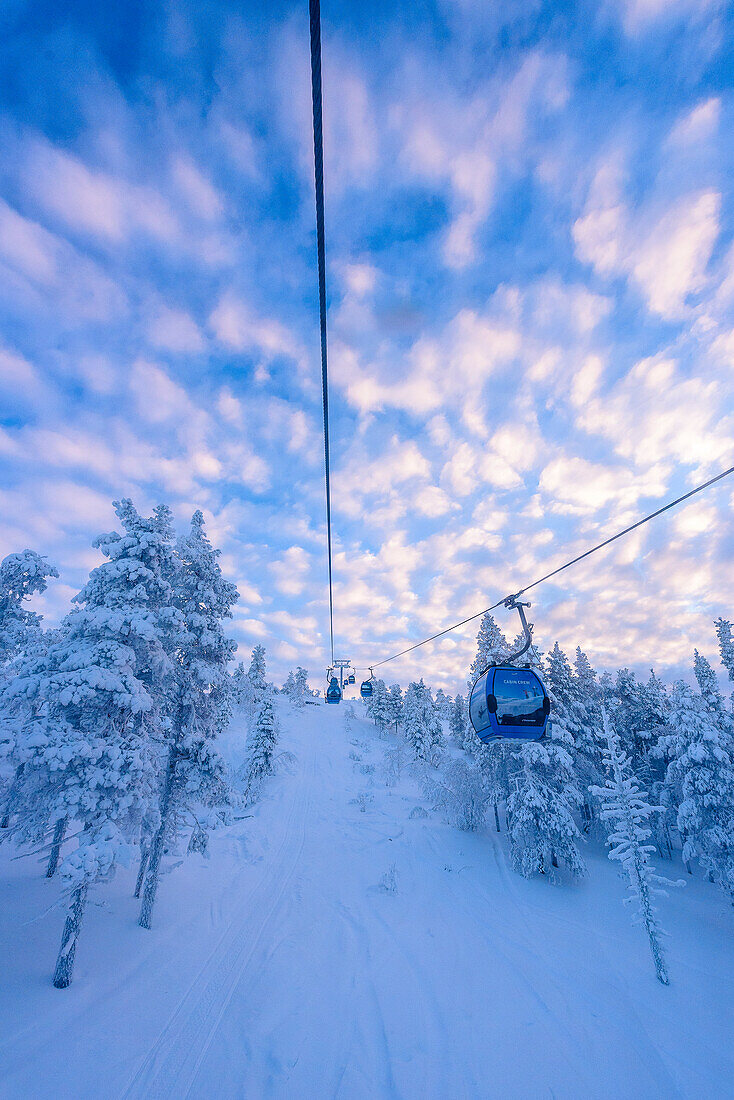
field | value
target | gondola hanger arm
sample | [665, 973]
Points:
[519, 606]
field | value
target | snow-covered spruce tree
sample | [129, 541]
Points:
[564, 690]
[700, 780]
[589, 698]
[656, 706]
[709, 687]
[93, 700]
[198, 701]
[588, 735]
[458, 720]
[540, 807]
[380, 709]
[395, 697]
[492, 648]
[257, 674]
[21, 577]
[542, 798]
[726, 645]
[249, 687]
[421, 722]
[300, 692]
[17, 716]
[629, 713]
[290, 685]
[259, 760]
[497, 763]
[638, 713]
[444, 705]
[585, 674]
[625, 808]
[570, 714]
[239, 682]
[411, 714]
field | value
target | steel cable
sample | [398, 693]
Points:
[555, 572]
[318, 154]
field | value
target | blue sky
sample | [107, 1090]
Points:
[531, 283]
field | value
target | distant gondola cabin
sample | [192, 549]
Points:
[333, 692]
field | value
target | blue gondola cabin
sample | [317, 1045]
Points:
[509, 704]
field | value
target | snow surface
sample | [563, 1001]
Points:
[283, 967]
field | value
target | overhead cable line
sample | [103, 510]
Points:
[318, 156]
[555, 572]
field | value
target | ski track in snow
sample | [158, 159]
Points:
[171, 1065]
[468, 983]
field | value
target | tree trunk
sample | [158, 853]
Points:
[58, 840]
[144, 853]
[158, 844]
[587, 817]
[497, 819]
[5, 823]
[662, 839]
[65, 961]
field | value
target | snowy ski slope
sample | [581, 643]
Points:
[283, 968]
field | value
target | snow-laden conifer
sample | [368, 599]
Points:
[395, 699]
[92, 707]
[656, 706]
[708, 685]
[540, 807]
[239, 680]
[572, 711]
[250, 687]
[257, 673]
[492, 760]
[587, 688]
[541, 782]
[588, 734]
[198, 702]
[492, 648]
[301, 691]
[422, 725]
[21, 577]
[380, 709]
[458, 720]
[700, 780]
[631, 719]
[564, 690]
[726, 645]
[626, 810]
[443, 704]
[260, 756]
